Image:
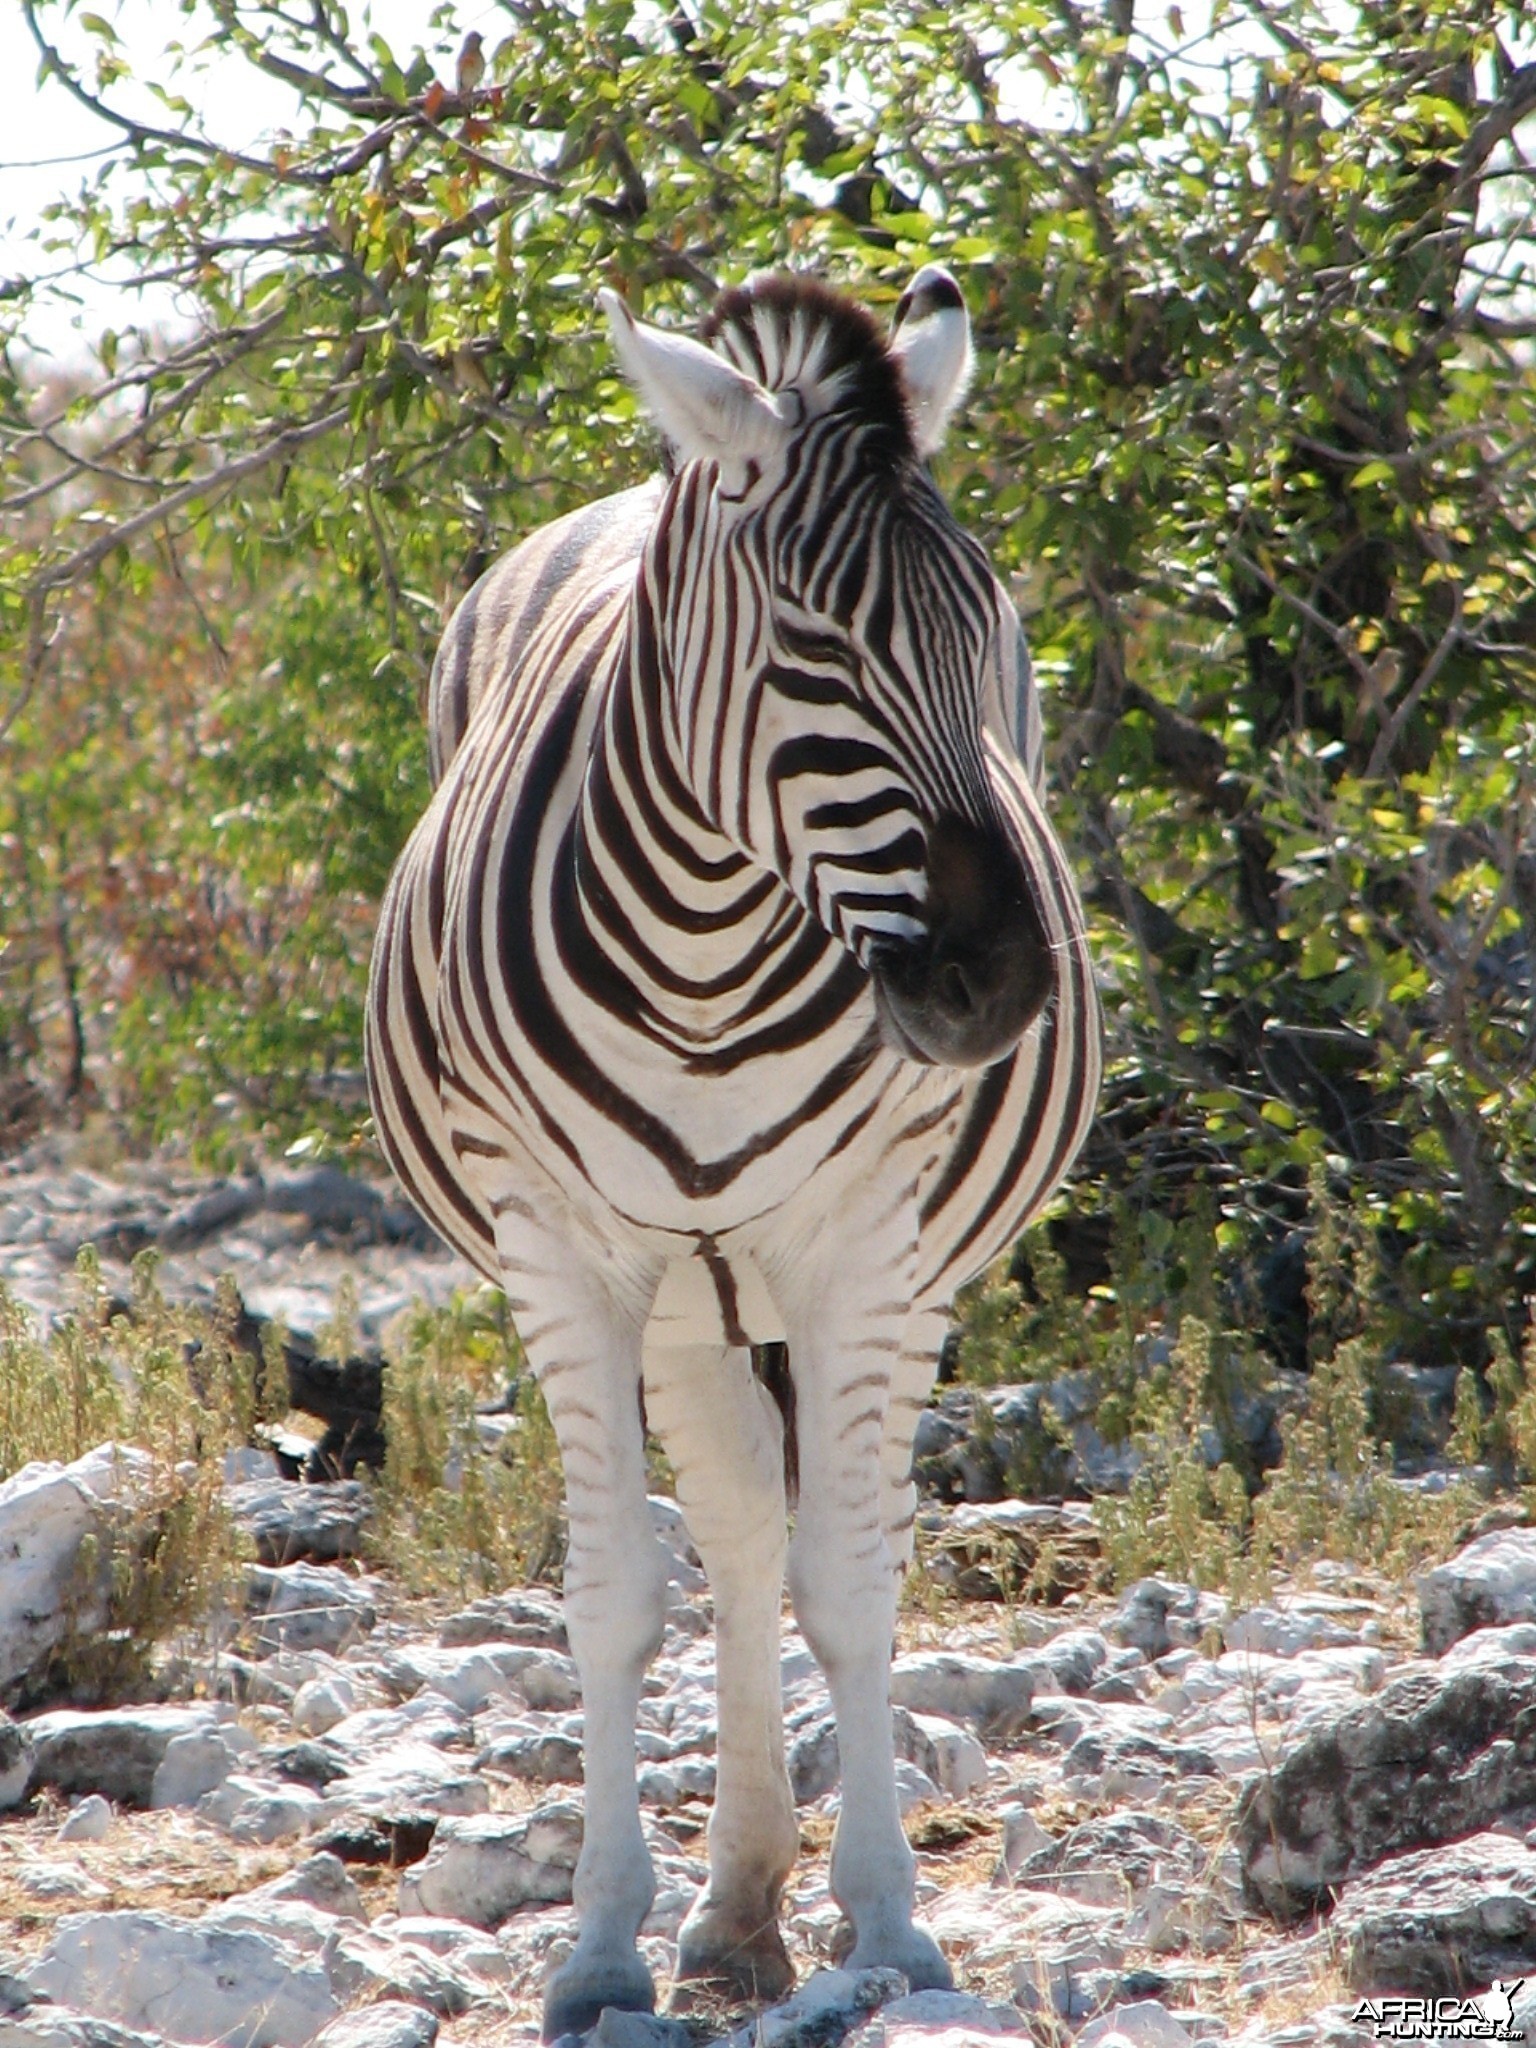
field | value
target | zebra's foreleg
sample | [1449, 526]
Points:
[585, 1354]
[842, 1578]
[724, 1438]
[916, 1368]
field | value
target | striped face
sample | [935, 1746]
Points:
[829, 646]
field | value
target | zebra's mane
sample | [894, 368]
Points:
[796, 332]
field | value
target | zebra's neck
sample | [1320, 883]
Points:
[705, 953]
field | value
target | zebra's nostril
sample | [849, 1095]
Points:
[955, 990]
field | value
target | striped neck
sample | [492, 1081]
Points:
[702, 951]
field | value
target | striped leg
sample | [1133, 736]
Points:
[586, 1355]
[917, 1367]
[842, 1578]
[724, 1438]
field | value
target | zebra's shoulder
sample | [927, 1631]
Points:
[500, 614]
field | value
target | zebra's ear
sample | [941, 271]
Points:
[702, 404]
[931, 339]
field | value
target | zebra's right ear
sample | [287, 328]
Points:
[702, 404]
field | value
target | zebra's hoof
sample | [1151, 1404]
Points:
[751, 1961]
[584, 1986]
[911, 1950]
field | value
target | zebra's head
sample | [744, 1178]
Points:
[831, 647]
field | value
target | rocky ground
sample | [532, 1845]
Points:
[355, 1820]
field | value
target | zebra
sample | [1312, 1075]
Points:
[730, 1006]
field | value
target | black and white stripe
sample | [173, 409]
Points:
[735, 954]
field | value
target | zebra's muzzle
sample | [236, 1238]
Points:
[964, 993]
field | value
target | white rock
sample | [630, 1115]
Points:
[408, 1775]
[389, 2024]
[115, 1473]
[1498, 1648]
[15, 1763]
[937, 2019]
[483, 1867]
[185, 1981]
[914, 1787]
[1145, 2024]
[1023, 1837]
[1491, 1582]
[305, 1928]
[196, 1763]
[466, 1948]
[821, 2009]
[52, 2026]
[54, 1881]
[322, 1881]
[116, 1751]
[476, 1675]
[428, 1719]
[258, 1810]
[46, 1513]
[956, 1760]
[1159, 1615]
[320, 1703]
[307, 1607]
[994, 1695]
[364, 1964]
[1282, 1631]
[88, 1820]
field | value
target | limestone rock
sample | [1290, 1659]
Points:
[196, 1763]
[257, 1811]
[364, 1964]
[1159, 1615]
[1110, 1859]
[288, 1521]
[117, 1751]
[1428, 1759]
[1491, 1582]
[525, 1749]
[306, 1607]
[408, 1778]
[937, 2019]
[54, 2026]
[88, 1820]
[1282, 1632]
[525, 1616]
[184, 1980]
[391, 2023]
[1144, 2024]
[616, 2029]
[483, 1867]
[1440, 1920]
[321, 1702]
[825, 2009]
[994, 1696]
[15, 1762]
[46, 1513]
[321, 1881]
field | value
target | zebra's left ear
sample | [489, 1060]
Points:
[931, 339]
[702, 404]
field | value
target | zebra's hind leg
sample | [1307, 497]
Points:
[585, 1353]
[724, 1438]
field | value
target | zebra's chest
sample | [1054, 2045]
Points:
[679, 1047]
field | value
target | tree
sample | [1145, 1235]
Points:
[1253, 426]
